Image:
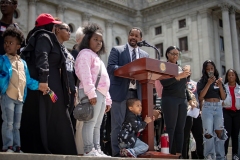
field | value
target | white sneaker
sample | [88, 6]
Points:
[10, 151]
[101, 152]
[209, 157]
[93, 153]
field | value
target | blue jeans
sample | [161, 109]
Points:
[212, 119]
[11, 115]
[91, 128]
[139, 148]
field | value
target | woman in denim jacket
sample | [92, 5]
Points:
[211, 90]
[231, 110]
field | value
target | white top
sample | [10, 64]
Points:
[131, 86]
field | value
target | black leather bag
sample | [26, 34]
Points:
[84, 110]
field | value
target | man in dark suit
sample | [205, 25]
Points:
[122, 89]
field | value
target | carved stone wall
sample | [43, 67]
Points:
[146, 14]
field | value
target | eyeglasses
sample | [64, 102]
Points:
[174, 54]
[67, 29]
[6, 2]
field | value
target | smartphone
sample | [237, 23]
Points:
[210, 74]
[187, 68]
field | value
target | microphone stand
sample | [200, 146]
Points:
[148, 45]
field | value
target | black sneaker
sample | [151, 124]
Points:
[18, 150]
[235, 157]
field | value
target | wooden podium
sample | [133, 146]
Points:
[146, 71]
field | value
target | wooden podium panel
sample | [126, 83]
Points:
[146, 71]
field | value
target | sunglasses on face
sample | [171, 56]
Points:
[67, 29]
[174, 54]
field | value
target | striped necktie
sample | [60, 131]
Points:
[133, 54]
[133, 59]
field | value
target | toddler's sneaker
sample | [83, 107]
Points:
[102, 153]
[93, 153]
[127, 153]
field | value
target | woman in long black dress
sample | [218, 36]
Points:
[46, 126]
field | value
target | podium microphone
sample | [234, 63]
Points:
[144, 43]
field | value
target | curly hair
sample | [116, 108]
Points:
[14, 32]
[88, 31]
[130, 102]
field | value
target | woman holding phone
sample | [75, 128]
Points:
[211, 89]
[175, 98]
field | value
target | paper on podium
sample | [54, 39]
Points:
[193, 112]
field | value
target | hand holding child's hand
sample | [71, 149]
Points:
[44, 88]
[148, 119]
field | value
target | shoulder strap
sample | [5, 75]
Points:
[97, 81]
[99, 76]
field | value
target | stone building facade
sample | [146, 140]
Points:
[203, 29]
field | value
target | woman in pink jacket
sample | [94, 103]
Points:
[87, 67]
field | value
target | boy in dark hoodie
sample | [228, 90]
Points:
[129, 143]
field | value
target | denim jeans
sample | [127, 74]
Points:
[212, 119]
[11, 115]
[139, 148]
[91, 128]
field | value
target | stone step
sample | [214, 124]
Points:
[28, 156]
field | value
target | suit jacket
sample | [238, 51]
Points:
[119, 56]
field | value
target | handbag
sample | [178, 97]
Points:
[84, 110]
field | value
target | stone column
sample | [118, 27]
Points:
[145, 37]
[196, 64]
[31, 14]
[216, 45]
[109, 39]
[227, 36]
[169, 33]
[60, 12]
[234, 34]
[86, 18]
[207, 35]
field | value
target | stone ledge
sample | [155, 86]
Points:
[27, 156]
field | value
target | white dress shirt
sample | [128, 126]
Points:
[133, 86]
